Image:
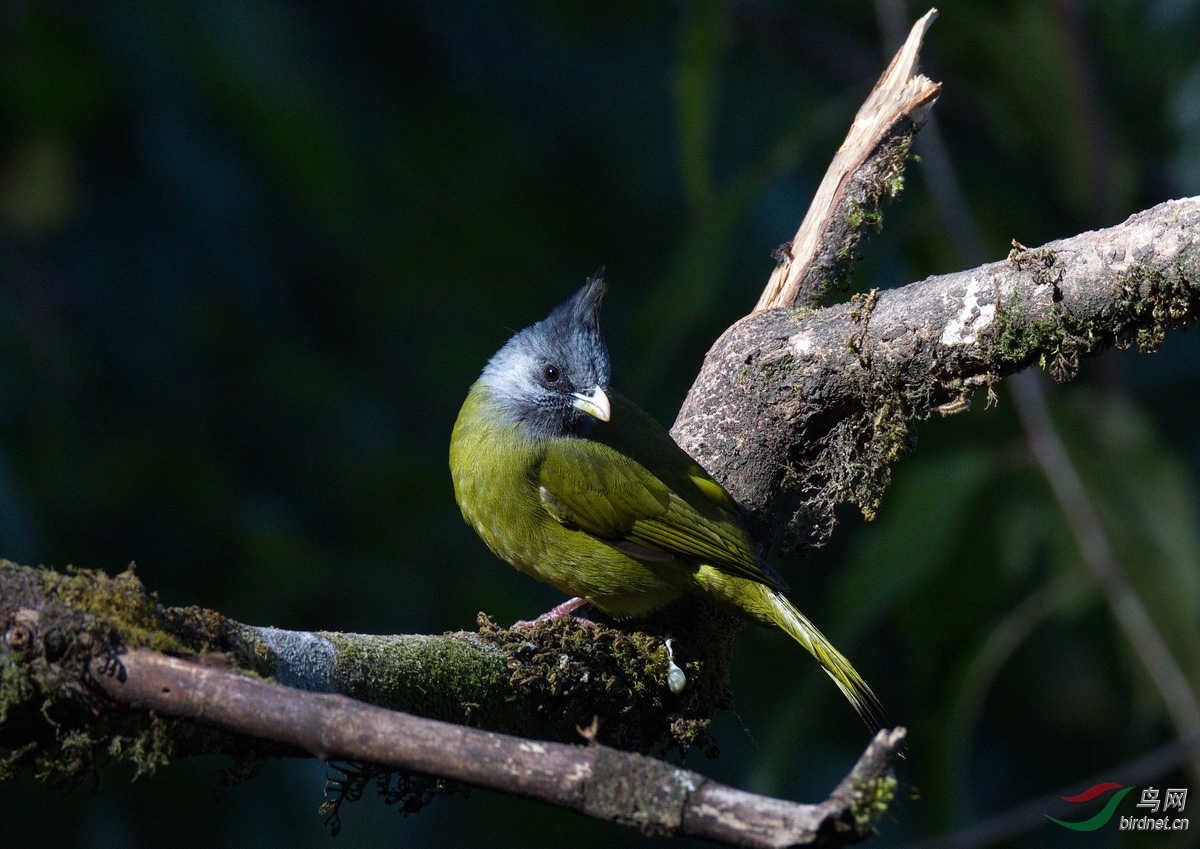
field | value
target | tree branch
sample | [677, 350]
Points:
[594, 780]
[796, 411]
[542, 681]
[867, 169]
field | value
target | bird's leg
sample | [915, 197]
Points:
[567, 607]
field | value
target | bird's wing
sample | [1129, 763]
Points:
[592, 487]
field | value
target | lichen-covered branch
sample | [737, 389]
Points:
[91, 665]
[594, 779]
[796, 411]
[544, 681]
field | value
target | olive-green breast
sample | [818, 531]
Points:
[497, 473]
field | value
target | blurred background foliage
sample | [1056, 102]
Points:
[253, 254]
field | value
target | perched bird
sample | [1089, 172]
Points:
[573, 484]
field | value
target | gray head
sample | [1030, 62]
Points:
[552, 376]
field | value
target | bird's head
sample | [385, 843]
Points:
[552, 377]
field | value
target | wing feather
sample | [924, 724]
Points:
[590, 486]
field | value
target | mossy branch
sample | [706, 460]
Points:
[92, 666]
[796, 411]
[594, 779]
[543, 681]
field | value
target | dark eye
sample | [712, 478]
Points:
[551, 373]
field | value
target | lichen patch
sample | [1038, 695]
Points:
[977, 313]
[802, 345]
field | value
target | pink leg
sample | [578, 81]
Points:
[567, 607]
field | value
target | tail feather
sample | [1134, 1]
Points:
[796, 625]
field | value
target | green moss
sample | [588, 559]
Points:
[870, 801]
[254, 655]
[862, 306]
[860, 214]
[567, 681]
[861, 207]
[569, 673]
[410, 793]
[1151, 302]
[120, 602]
[54, 625]
[777, 368]
[439, 677]
[1055, 344]
[897, 157]
[1016, 341]
[1042, 262]
[1155, 300]
[886, 184]
[851, 462]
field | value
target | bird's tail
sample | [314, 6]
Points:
[794, 623]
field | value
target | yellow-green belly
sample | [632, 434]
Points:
[495, 483]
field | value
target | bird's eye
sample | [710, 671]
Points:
[552, 373]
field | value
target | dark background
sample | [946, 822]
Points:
[253, 254]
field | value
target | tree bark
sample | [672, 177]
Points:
[797, 410]
[595, 780]
[543, 681]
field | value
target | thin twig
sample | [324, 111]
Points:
[592, 779]
[1101, 564]
[1003, 640]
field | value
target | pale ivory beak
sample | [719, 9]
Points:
[595, 404]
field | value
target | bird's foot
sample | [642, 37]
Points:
[567, 607]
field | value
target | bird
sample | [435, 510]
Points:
[573, 484]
